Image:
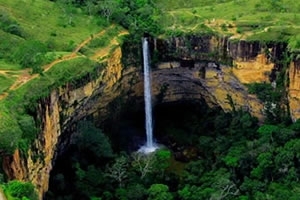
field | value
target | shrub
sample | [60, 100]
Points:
[264, 91]
[21, 190]
[223, 27]
[294, 43]
[9, 25]
[10, 133]
[99, 42]
[31, 54]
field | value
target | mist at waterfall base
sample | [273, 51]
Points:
[150, 146]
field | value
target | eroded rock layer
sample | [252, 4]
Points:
[294, 89]
[192, 68]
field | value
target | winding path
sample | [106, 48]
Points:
[2, 196]
[25, 75]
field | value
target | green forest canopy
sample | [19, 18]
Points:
[254, 162]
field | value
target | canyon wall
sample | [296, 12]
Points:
[57, 113]
[186, 68]
[294, 89]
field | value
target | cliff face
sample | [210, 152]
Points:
[57, 113]
[213, 85]
[186, 69]
[294, 89]
[210, 58]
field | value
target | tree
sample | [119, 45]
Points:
[267, 131]
[27, 126]
[136, 191]
[159, 192]
[107, 8]
[193, 171]
[233, 156]
[264, 170]
[121, 193]
[9, 25]
[250, 187]
[10, 132]
[92, 141]
[281, 191]
[31, 54]
[189, 192]
[90, 181]
[140, 16]
[21, 190]
[67, 9]
[118, 170]
[143, 163]
[162, 160]
[224, 188]
[294, 43]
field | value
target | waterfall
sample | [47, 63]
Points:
[147, 95]
[149, 146]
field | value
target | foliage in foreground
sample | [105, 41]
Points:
[237, 160]
[17, 190]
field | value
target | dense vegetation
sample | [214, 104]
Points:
[60, 30]
[237, 159]
[17, 190]
[210, 155]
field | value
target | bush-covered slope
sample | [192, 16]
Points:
[44, 45]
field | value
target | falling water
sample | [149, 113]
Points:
[147, 94]
[149, 146]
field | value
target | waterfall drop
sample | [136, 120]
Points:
[150, 146]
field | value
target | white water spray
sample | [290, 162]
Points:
[149, 146]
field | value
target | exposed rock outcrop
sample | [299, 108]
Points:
[186, 69]
[218, 84]
[58, 112]
[294, 89]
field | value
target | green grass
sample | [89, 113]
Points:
[17, 190]
[4, 65]
[61, 31]
[283, 33]
[5, 83]
[58, 75]
[25, 98]
[9, 44]
[45, 21]
[102, 41]
[40, 87]
[248, 17]
[57, 54]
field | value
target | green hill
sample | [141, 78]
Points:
[45, 44]
[255, 19]
[41, 42]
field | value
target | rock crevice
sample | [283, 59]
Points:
[186, 69]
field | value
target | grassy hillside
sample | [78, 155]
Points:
[38, 35]
[59, 28]
[50, 22]
[47, 43]
[44, 44]
[255, 19]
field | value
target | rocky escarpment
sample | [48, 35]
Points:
[191, 68]
[57, 113]
[217, 86]
[234, 61]
[294, 89]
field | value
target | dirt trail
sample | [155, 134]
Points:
[3, 71]
[2, 196]
[105, 51]
[26, 76]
